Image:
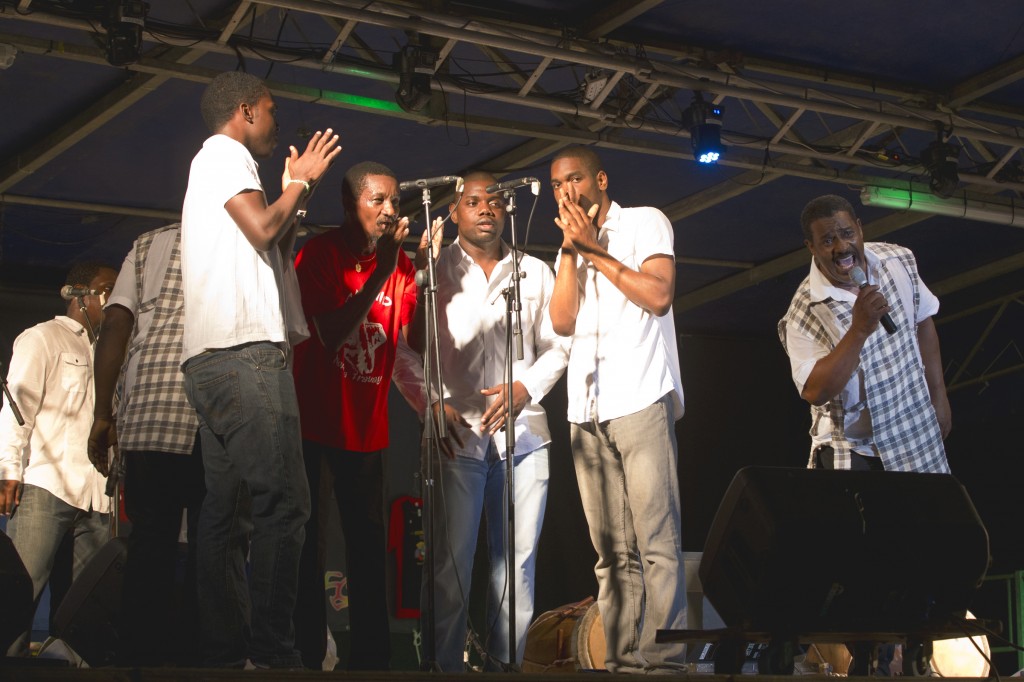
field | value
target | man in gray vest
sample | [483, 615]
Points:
[138, 357]
[878, 399]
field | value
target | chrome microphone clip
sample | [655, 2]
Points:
[534, 184]
[423, 183]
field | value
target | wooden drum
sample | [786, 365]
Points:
[566, 640]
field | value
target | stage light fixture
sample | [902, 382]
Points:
[123, 23]
[940, 160]
[593, 84]
[704, 121]
[990, 210]
[415, 68]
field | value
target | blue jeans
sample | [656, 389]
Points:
[626, 469]
[255, 485]
[464, 488]
[36, 529]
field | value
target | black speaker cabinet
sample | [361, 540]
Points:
[15, 594]
[87, 617]
[812, 550]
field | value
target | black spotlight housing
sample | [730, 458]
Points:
[940, 159]
[704, 121]
[415, 68]
[124, 22]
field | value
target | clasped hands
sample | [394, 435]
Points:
[491, 421]
[577, 224]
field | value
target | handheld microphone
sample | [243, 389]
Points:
[423, 183]
[68, 292]
[861, 280]
[534, 184]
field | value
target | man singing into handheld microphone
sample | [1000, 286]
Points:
[878, 399]
[865, 355]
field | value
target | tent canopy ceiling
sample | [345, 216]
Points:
[815, 98]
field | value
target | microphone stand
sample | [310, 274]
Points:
[431, 360]
[10, 399]
[88, 322]
[513, 332]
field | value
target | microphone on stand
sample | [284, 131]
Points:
[68, 292]
[861, 280]
[423, 183]
[534, 184]
[10, 399]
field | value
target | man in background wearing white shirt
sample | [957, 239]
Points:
[48, 486]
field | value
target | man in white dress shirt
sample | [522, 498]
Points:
[48, 486]
[473, 276]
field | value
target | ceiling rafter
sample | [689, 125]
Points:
[616, 15]
[881, 111]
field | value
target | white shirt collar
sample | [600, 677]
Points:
[612, 218]
[464, 257]
[70, 324]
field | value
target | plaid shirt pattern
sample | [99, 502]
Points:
[157, 415]
[905, 431]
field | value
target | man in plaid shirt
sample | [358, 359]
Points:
[156, 432]
[878, 398]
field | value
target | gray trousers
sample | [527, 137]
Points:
[626, 469]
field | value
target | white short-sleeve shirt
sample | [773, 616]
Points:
[623, 358]
[234, 294]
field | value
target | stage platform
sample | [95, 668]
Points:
[54, 674]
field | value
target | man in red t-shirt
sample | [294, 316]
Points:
[358, 293]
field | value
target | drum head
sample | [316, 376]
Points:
[588, 640]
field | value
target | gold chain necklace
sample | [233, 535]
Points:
[360, 262]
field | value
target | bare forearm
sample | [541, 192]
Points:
[265, 225]
[931, 356]
[565, 296]
[111, 347]
[282, 222]
[649, 290]
[336, 326]
[832, 372]
[416, 332]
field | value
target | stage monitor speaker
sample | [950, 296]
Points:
[812, 550]
[87, 617]
[16, 591]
